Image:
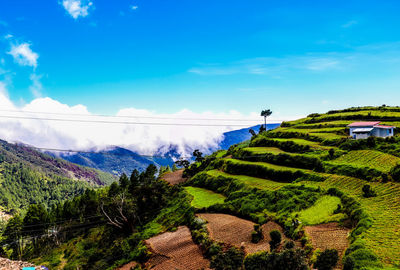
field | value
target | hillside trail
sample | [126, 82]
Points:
[174, 178]
[6, 264]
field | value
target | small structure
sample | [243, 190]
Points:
[363, 130]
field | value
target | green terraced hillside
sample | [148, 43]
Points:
[277, 161]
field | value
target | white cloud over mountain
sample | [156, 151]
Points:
[139, 130]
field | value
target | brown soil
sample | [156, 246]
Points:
[174, 177]
[330, 235]
[236, 231]
[127, 266]
[175, 250]
[6, 264]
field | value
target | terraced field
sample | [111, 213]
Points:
[368, 158]
[264, 150]
[321, 212]
[253, 182]
[203, 197]
[383, 238]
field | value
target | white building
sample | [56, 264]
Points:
[363, 130]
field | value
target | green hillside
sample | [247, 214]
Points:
[30, 177]
[308, 177]
[316, 152]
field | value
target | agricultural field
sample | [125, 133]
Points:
[175, 250]
[330, 235]
[321, 212]
[237, 231]
[249, 181]
[203, 197]
[264, 150]
[384, 235]
[368, 158]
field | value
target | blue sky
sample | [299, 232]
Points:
[295, 57]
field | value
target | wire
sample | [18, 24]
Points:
[119, 122]
[133, 117]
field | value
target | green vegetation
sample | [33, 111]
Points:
[321, 212]
[203, 197]
[369, 158]
[21, 186]
[248, 180]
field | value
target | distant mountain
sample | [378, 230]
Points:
[240, 135]
[117, 160]
[28, 177]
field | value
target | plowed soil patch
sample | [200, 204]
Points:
[174, 177]
[236, 231]
[329, 235]
[175, 250]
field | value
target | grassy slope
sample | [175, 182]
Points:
[384, 235]
[203, 197]
[369, 158]
[321, 211]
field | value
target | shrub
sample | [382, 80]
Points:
[292, 259]
[257, 234]
[232, 259]
[327, 259]
[368, 191]
[276, 239]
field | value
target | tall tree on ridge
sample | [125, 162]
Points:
[265, 114]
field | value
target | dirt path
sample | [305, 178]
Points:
[174, 177]
[329, 235]
[175, 250]
[236, 231]
[6, 264]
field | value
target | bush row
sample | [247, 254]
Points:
[298, 161]
[255, 170]
[288, 146]
[357, 256]
[366, 173]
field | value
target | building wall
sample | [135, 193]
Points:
[361, 136]
[377, 132]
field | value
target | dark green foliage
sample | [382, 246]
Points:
[255, 170]
[288, 146]
[22, 186]
[288, 259]
[256, 235]
[101, 228]
[183, 163]
[297, 161]
[276, 239]
[123, 181]
[395, 173]
[366, 173]
[232, 259]
[198, 155]
[368, 191]
[357, 256]
[331, 153]
[289, 244]
[327, 260]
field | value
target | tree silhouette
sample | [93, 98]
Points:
[265, 114]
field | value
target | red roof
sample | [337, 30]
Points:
[363, 124]
[382, 126]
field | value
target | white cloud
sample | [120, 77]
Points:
[77, 8]
[133, 7]
[8, 36]
[36, 87]
[23, 55]
[143, 138]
